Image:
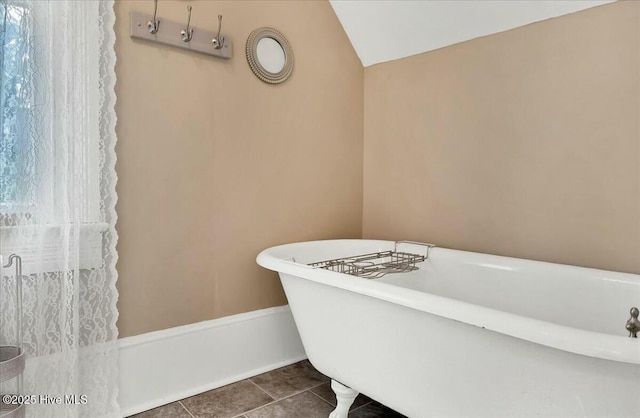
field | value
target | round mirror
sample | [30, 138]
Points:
[270, 56]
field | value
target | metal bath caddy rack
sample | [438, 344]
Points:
[376, 265]
[12, 357]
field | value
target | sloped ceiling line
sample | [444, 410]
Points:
[385, 30]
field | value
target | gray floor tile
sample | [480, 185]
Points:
[326, 393]
[303, 405]
[227, 401]
[375, 410]
[288, 380]
[172, 410]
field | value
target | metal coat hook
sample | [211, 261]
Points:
[218, 41]
[633, 324]
[154, 24]
[187, 33]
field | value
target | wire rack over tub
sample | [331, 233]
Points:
[376, 265]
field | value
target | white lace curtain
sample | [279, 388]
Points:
[57, 201]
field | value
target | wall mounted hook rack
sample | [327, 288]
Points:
[171, 33]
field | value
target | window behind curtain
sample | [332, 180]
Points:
[16, 150]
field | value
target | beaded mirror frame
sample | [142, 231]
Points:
[252, 55]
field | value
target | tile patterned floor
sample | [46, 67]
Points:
[295, 391]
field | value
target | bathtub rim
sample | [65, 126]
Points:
[561, 337]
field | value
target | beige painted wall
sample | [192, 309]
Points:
[524, 143]
[215, 165]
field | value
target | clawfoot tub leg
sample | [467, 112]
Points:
[344, 397]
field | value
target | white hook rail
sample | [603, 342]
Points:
[174, 34]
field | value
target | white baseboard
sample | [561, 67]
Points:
[164, 366]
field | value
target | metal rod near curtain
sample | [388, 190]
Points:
[57, 201]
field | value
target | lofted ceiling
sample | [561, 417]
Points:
[384, 30]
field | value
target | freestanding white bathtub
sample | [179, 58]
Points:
[468, 334]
